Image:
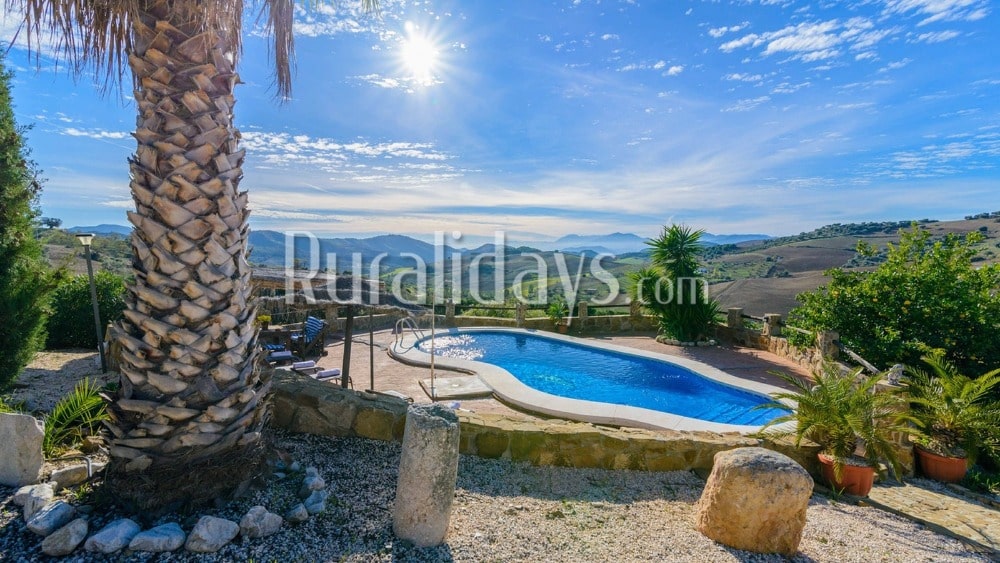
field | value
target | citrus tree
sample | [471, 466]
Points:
[928, 294]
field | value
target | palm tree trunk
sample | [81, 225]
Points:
[191, 390]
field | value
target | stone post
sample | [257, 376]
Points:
[449, 312]
[519, 313]
[734, 317]
[772, 324]
[582, 314]
[428, 470]
[826, 341]
[331, 315]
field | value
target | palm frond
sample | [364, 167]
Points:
[81, 410]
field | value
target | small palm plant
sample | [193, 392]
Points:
[956, 413]
[837, 411]
[672, 287]
[77, 414]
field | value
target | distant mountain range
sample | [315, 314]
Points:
[399, 250]
[103, 229]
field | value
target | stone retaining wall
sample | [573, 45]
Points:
[302, 404]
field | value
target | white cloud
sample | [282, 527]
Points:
[895, 65]
[742, 77]
[675, 70]
[95, 133]
[609, 36]
[937, 36]
[659, 65]
[747, 104]
[941, 10]
[720, 31]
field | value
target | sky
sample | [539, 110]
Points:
[542, 118]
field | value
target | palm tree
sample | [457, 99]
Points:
[671, 287]
[187, 418]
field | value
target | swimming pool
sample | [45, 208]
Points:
[596, 382]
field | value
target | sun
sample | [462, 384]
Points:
[420, 56]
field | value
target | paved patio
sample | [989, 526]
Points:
[745, 363]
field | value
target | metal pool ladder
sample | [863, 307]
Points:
[402, 325]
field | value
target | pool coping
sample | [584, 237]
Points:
[509, 389]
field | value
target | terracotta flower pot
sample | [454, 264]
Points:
[855, 480]
[939, 467]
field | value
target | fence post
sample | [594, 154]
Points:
[826, 341]
[734, 317]
[772, 324]
[581, 314]
[449, 312]
[519, 313]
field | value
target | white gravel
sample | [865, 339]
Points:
[506, 511]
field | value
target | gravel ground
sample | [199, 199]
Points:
[506, 511]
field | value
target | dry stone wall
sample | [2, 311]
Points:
[302, 404]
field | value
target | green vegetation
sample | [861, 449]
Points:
[956, 414]
[109, 251]
[73, 313]
[926, 295]
[25, 281]
[672, 287]
[836, 410]
[76, 415]
[557, 311]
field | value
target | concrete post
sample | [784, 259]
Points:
[519, 313]
[449, 312]
[581, 314]
[734, 317]
[428, 470]
[772, 324]
[826, 341]
[635, 309]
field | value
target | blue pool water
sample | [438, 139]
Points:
[584, 372]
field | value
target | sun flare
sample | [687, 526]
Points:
[420, 56]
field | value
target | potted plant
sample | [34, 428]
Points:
[264, 321]
[557, 313]
[839, 411]
[956, 415]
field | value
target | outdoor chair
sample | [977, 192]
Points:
[310, 339]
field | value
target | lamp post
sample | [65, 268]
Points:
[85, 239]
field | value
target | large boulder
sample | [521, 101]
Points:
[20, 449]
[755, 499]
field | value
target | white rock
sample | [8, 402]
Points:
[311, 483]
[33, 498]
[316, 502]
[73, 475]
[259, 523]
[20, 449]
[113, 537]
[165, 537]
[64, 540]
[298, 513]
[51, 517]
[311, 471]
[295, 467]
[210, 534]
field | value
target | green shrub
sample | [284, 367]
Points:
[926, 295]
[25, 281]
[673, 289]
[72, 320]
[76, 415]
